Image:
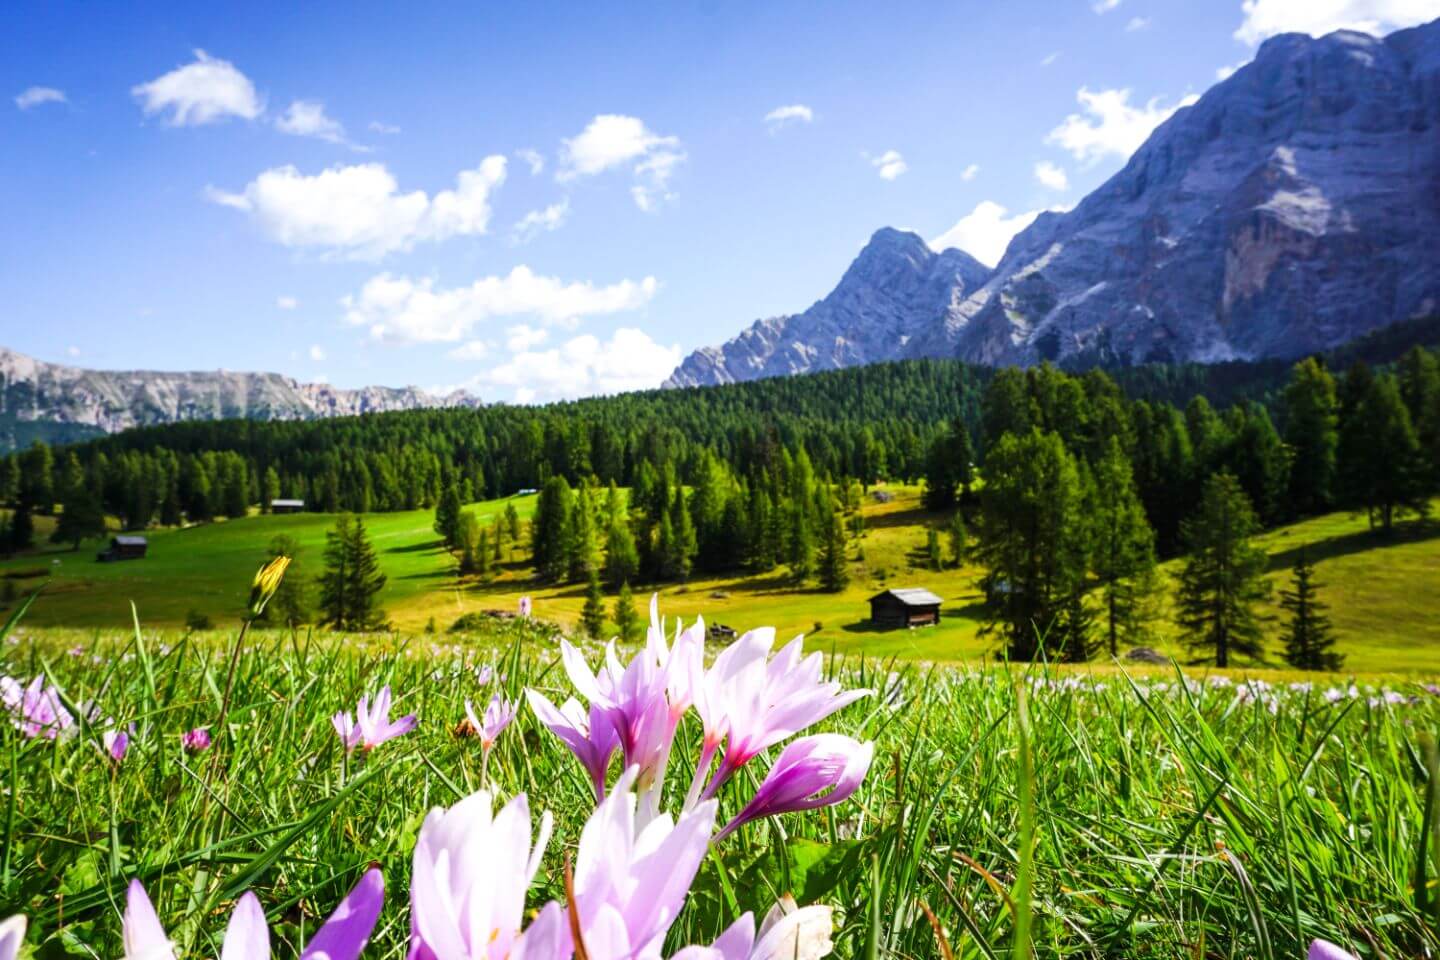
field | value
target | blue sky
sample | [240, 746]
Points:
[538, 200]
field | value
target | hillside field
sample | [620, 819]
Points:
[1382, 591]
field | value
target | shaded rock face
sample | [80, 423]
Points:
[893, 293]
[1294, 207]
[35, 391]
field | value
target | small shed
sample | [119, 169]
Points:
[124, 548]
[905, 607]
[287, 506]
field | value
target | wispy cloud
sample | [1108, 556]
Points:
[35, 96]
[204, 91]
[789, 115]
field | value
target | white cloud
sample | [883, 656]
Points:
[1111, 125]
[1265, 18]
[1104, 6]
[34, 96]
[358, 212]
[389, 129]
[413, 311]
[585, 366]
[984, 232]
[1049, 58]
[889, 164]
[536, 222]
[469, 350]
[317, 352]
[1137, 24]
[306, 118]
[1051, 176]
[200, 92]
[522, 337]
[785, 116]
[1228, 71]
[533, 159]
[286, 303]
[969, 172]
[614, 140]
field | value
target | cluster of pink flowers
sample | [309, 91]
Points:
[35, 708]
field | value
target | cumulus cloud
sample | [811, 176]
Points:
[35, 96]
[286, 303]
[532, 159]
[201, 92]
[405, 310]
[969, 172]
[985, 231]
[307, 118]
[1051, 176]
[536, 222]
[359, 212]
[613, 140]
[788, 115]
[1265, 18]
[1109, 124]
[585, 366]
[889, 164]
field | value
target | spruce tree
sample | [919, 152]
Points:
[1309, 638]
[334, 582]
[1313, 436]
[933, 557]
[622, 558]
[1121, 548]
[447, 517]
[81, 517]
[269, 489]
[683, 543]
[627, 621]
[592, 615]
[583, 546]
[834, 564]
[21, 528]
[366, 581]
[550, 530]
[959, 539]
[1387, 475]
[1223, 580]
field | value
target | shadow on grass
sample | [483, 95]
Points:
[418, 547]
[1411, 531]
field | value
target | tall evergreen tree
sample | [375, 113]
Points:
[1387, 476]
[1121, 548]
[447, 517]
[550, 530]
[627, 621]
[948, 467]
[583, 546]
[622, 558]
[1223, 580]
[834, 563]
[269, 489]
[1420, 389]
[1309, 638]
[81, 515]
[592, 615]
[352, 581]
[1313, 436]
[959, 538]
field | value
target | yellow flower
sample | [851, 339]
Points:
[267, 581]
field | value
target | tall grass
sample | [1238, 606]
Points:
[1162, 817]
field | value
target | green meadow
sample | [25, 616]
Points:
[1383, 591]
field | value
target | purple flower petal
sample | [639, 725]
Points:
[348, 930]
[246, 937]
[141, 931]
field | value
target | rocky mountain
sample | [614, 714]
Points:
[1294, 207]
[56, 402]
[892, 294]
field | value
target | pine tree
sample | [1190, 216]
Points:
[550, 530]
[81, 517]
[1224, 576]
[959, 539]
[933, 557]
[469, 542]
[627, 621]
[622, 558]
[583, 546]
[1387, 475]
[1313, 436]
[1309, 638]
[334, 582]
[592, 615]
[447, 517]
[269, 488]
[834, 564]
[1121, 548]
[352, 581]
[1073, 633]
[1420, 388]
[680, 557]
[512, 523]
[21, 528]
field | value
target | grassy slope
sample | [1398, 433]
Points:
[1382, 591]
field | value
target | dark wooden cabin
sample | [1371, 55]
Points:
[905, 607]
[124, 548]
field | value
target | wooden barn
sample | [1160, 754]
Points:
[905, 607]
[287, 506]
[124, 548]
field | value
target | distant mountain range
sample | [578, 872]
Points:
[1294, 207]
[53, 402]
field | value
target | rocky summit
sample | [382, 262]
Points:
[50, 400]
[1294, 207]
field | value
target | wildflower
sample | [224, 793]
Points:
[525, 606]
[371, 726]
[811, 772]
[343, 936]
[196, 741]
[76, 651]
[116, 743]
[483, 674]
[12, 934]
[1325, 950]
[789, 932]
[471, 870]
[37, 709]
[267, 581]
[591, 737]
[497, 717]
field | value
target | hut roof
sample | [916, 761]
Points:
[910, 596]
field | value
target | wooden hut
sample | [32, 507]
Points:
[124, 548]
[905, 607]
[287, 506]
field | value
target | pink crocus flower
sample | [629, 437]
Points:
[1325, 950]
[498, 715]
[467, 892]
[343, 936]
[525, 606]
[812, 772]
[116, 743]
[789, 932]
[589, 735]
[371, 725]
[196, 741]
[36, 708]
[12, 934]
